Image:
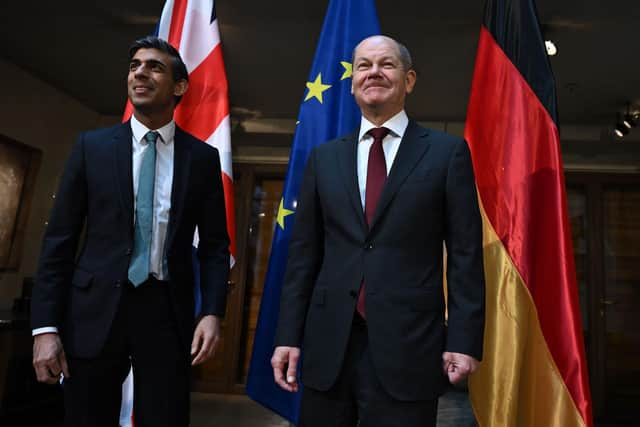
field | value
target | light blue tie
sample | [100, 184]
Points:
[139, 265]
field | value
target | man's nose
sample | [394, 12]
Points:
[374, 70]
[141, 70]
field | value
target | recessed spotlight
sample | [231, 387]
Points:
[629, 121]
[621, 130]
[552, 50]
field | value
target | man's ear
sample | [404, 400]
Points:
[410, 80]
[181, 87]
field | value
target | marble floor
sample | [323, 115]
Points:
[211, 410]
[214, 410]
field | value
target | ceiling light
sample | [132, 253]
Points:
[620, 129]
[630, 120]
[552, 50]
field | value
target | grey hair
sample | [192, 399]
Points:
[405, 56]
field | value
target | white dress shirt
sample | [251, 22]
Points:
[390, 144]
[161, 190]
[161, 194]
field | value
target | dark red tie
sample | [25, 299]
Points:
[376, 176]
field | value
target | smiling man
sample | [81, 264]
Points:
[139, 190]
[363, 292]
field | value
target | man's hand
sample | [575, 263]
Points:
[458, 366]
[205, 339]
[49, 360]
[285, 362]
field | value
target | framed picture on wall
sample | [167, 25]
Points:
[19, 166]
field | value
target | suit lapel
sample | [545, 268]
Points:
[181, 170]
[348, 163]
[413, 147]
[123, 168]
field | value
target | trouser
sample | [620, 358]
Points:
[358, 399]
[144, 335]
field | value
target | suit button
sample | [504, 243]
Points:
[353, 293]
[118, 283]
[128, 251]
[368, 246]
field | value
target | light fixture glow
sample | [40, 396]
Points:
[552, 50]
[621, 130]
[629, 121]
[626, 121]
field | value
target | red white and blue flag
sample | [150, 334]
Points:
[191, 26]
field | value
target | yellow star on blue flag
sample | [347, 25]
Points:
[346, 23]
[316, 88]
[282, 213]
[348, 70]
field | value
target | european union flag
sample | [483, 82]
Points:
[328, 110]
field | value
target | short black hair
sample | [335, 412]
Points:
[178, 68]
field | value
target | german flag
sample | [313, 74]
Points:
[534, 371]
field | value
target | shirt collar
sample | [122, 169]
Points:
[397, 124]
[139, 130]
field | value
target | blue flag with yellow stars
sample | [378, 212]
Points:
[328, 111]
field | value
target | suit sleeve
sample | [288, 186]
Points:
[303, 263]
[465, 272]
[60, 243]
[213, 247]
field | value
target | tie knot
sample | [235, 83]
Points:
[379, 133]
[151, 137]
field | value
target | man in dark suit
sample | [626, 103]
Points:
[138, 190]
[363, 293]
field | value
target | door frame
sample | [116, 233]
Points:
[594, 184]
[248, 173]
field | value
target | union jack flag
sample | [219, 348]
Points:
[191, 26]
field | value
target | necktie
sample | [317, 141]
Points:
[376, 176]
[139, 264]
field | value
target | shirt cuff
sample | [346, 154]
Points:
[45, 330]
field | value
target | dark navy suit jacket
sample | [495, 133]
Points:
[78, 291]
[429, 198]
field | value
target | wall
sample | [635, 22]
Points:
[40, 116]
[584, 147]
